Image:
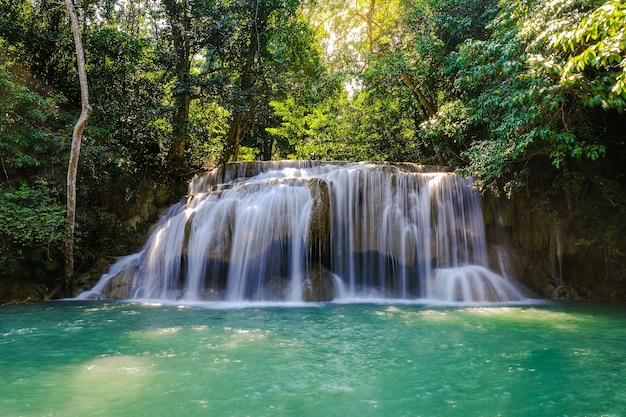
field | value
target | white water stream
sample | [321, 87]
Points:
[281, 231]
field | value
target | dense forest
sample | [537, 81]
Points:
[528, 96]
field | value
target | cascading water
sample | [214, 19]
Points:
[305, 231]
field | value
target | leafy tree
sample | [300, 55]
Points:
[598, 65]
[32, 230]
[37, 35]
[32, 218]
[322, 130]
[130, 125]
[394, 60]
[208, 126]
[275, 57]
[373, 117]
[25, 143]
[185, 46]
[537, 106]
[517, 109]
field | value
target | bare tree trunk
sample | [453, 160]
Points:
[77, 135]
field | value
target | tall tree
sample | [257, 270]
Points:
[180, 20]
[526, 100]
[250, 77]
[77, 135]
[393, 55]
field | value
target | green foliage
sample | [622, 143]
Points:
[382, 124]
[32, 228]
[208, 127]
[598, 43]
[520, 98]
[32, 220]
[127, 95]
[39, 38]
[395, 60]
[318, 132]
[25, 143]
[447, 130]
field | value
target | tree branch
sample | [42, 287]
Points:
[430, 108]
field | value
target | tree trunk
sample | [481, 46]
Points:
[239, 127]
[180, 131]
[424, 102]
[244, 117]
[369, 24]
[77, 135]
[181, 27]
[430, 110]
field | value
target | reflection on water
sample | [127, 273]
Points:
[116, 381]
[392, 359]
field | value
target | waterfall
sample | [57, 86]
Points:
[559, 257]
[307, 231]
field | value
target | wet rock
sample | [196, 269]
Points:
[564, 292]
[120, 287]
[319, 229]
[274, 290]
[319, 285]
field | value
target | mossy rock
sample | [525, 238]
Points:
[319, 285]
[120, 287]
[274, 289]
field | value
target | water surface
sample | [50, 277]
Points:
[138, 359]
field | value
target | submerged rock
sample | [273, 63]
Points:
[274, 290]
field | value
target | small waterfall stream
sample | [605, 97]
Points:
[307, 231]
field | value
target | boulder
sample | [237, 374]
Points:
[120, 287]
[318, 285]
[274, 289]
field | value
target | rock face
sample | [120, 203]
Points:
[274, 289]
[121, 285]
[319, 285]
[547, 251]
[319, 228]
